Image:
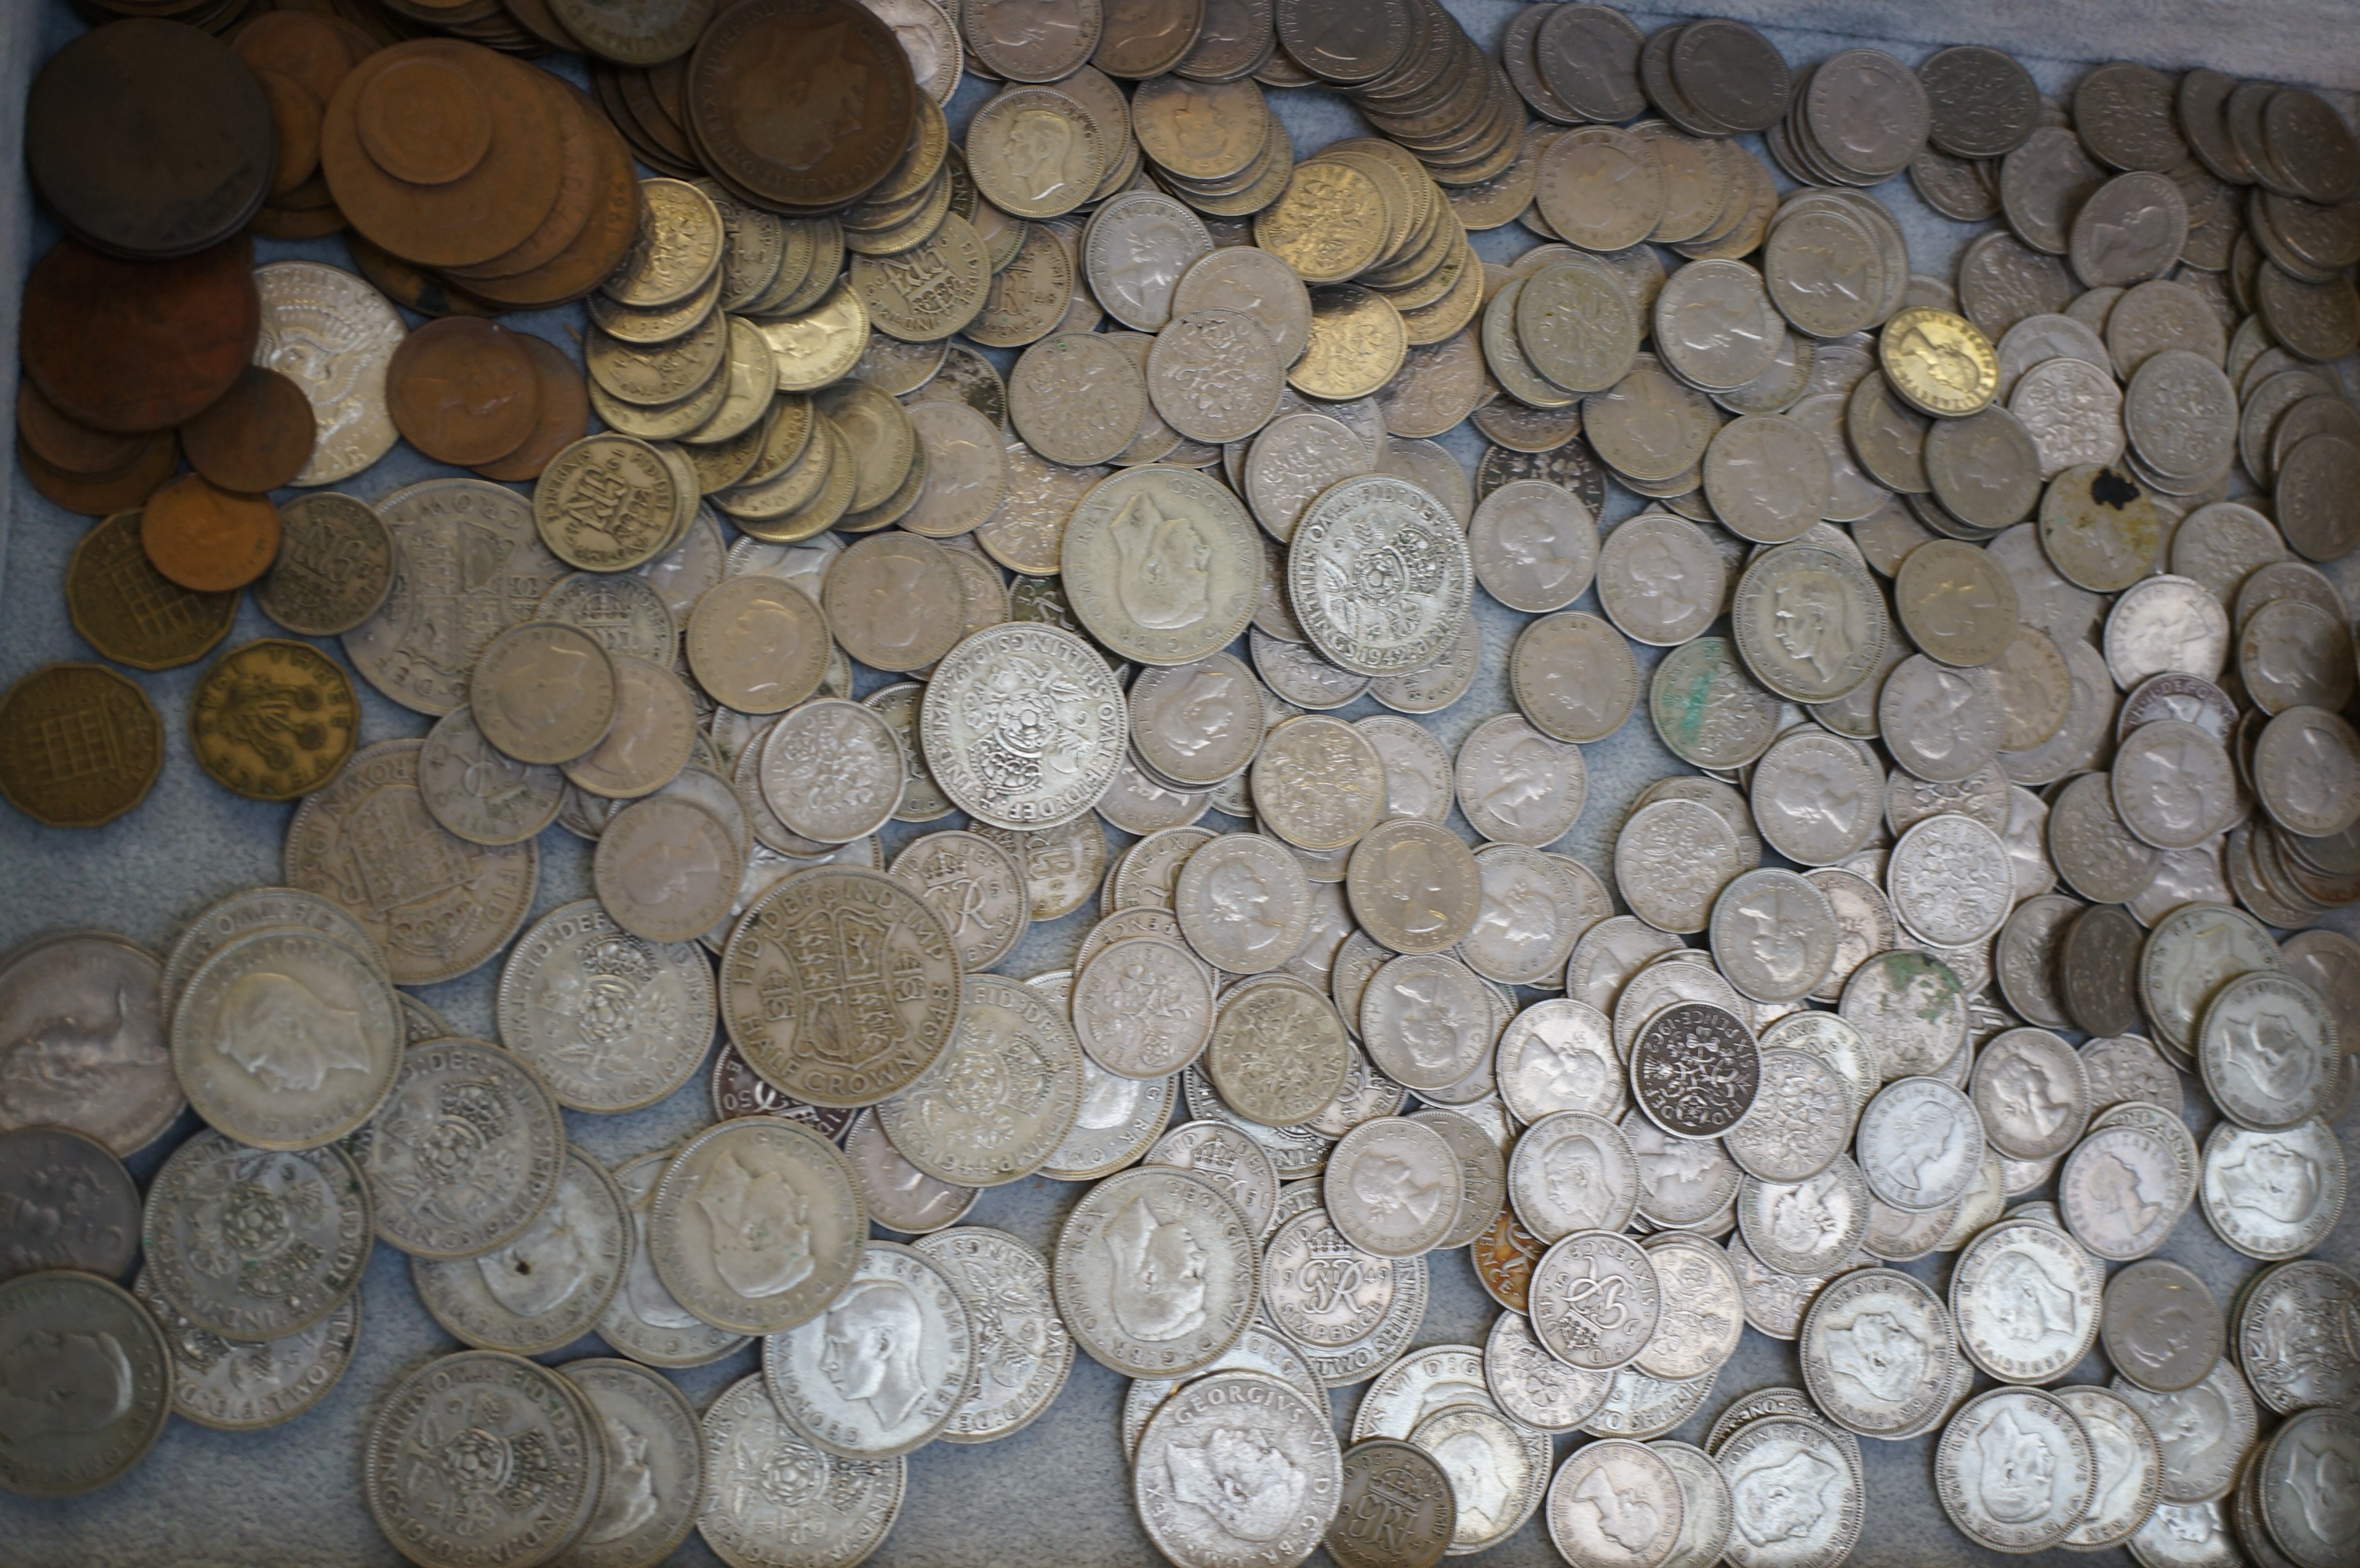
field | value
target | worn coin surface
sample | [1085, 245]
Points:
[548, 1286]
[1878, 1352]
[1002, 1096]
[1990, 1455]
[1236, 1466]
[1156, 1273]
[1922, 1143]
[2162, 1328]
[756, 1226]
[837, 1512]
[2027, 1300]
[1393, 1187]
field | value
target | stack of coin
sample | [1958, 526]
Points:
[1216, 146]
[1411, 69]
[1862, 101]
[301, 57]
[497, 177]
[644, 103]
[519, 29]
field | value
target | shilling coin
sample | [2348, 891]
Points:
[254, 1244]
[2290, 1485]
[1207, 1429]
[1156, 1272]
[1922, 1143]
[2278, 1315]
[1807, 1227]
[1573, 1172]
[1393, 1187]
[85, 1007]
[1877, 1349]
[1695, 1070]
[654, 1485]
[245, 1387]
[2274, 1195]
[834, 1520]
[548, 1286]
[2027, 1301]
[2130, 1467]
[287, 1038]
[1685, 1182]
[1533, 1387]
[1022, 1350]
[2186, 1535]
[515, 1411]
[755, 1225]
[2205, 1430]
[1497, 1469]
[1761, 1461]
[1002, 1096]
[888, 1363]
[643, 1321]
[2032, 1092]
[1989, 1454]
[2268, 1049]
[894, 1193]
[1616, 1502]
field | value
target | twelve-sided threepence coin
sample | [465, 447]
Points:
[1156, 1273]
[757, 1225]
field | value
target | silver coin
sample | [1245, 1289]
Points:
[1558, 1055]
[1230, 1159]
[2269, 1052]
[1497, 1471]
[836, 1513]
[1417, 1384]
[2274, 1195]
[465, 1153]
[2186, 1535]
[2124, 1068]
[1816, 796]
[1533, 909]
[1392, 1188]
[612, 1022]
[756, 1226]
[82, 1013]
[1877, 1348]
[1161, 564]
[479, 794]
[1694, 1068]
[887, 1363]
[2130, 1467]
[1237, 1467]
[1317, 783]
[505, 1411]
[643, 1321]
[894, 1193]
[1535, 1388]
[2278, 1324]
[1703, 1312]
[1686, 1183]
[1941, 723]
[977, 889]
[2033, 1094]
[71, 1204]
[2027, 1301]
[1573, 1172]
[2025, 959]
[2304, 769]
[988, 706]
[1363, 623]
[1911, 1009]
[1922, 1143]
[1800, 1120]
[254, 1244]
[1864, 925]
[1003, 1094]
[244, 911]
[1595, 1301]
[653, 1484]
[1243, 903]
[2121, 1190]
[2290, 1486]
[2014, 1470]
[1535, 545]
[2204, 1430]
[1660, 578]
[1279, 1051]
[1423, 1019]
[1615, 1503]
[1156, 1272]
[1672, 859]
[240, 1387]
[548, 1286]
[1807, 1227]
[1142, 1006]
[1774, 934]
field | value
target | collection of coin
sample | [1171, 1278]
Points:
[1958, 617]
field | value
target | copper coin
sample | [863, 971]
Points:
[854, 101]
[564, 413]
[576, 181]
[149, 139]
[410, 287]
[595, 252]
[160, 455]
[463, 391]
[485, 211]
[134, 346]
[258, 435]
[69, 446]
[289, 223]
[205, 537]
[420, 120]
[306, 45]
[296, 112]
[79, 745]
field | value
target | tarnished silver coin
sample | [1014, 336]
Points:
[1156, 1272]
[1910, 1007]
[611, 1021]
[1237, 1468]
[2274, 1195]
[2280, 1324]
[2027, 1300]
[756, 1226]
[550, 1286]
[773, 1499]
[1695, 1069]
[1774, 934]
[2161, 1326]
[1394, 1507]
[2269, 1052]
[2014, 1470]
[1941, 723]
[643, 1321]
[1230, 1159]
[977, 889]
[1684, 1182]
[465, 1152]
[2032, 1092]
[508, 1416]
[253, 1244]
[654, 1485]
[884, 1367]
[1002, 1096]
[2204, 1429]
[1243, 903]
[2121, 1190]
[479, 794]
[1797, 1494]
[1517, 785]
[1279, 1051]
[234, 1386]
[71, 1204]
[1317, 783]
[2130, 1467]
[1878, 1349]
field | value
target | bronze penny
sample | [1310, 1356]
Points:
[133, 613]
[594, 253]
[160, 455]
[800, 103]
[413, 289]
[69, 446]
[205, 537]
[578, 182]
[134, 346]
[420, 120]
[257, 437]
[79, 745]
[149, 139]
[296, 112]
[463, 391]
[488, 210]
[535, 17]
[305, 45]
[564, 413]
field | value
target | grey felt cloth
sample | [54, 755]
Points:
[1058, 1493]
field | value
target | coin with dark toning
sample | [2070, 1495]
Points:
[1694, 1070]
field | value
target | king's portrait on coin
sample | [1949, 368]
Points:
[1247, 1483]
[1163, 565]
[874, 1331]
[63, 1385]
[1786, 1501]
[282, 1032]
[1158, 1286]
[760, 1228]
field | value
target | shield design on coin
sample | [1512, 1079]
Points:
[856, 979]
